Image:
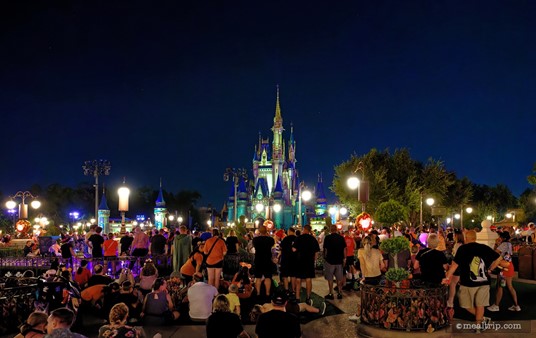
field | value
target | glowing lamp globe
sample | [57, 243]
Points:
[259, 207]
[35, 204]
[306, 195]
[353, 183]
[343, 211]
[11, 204]
[277, 207]
[123, 193]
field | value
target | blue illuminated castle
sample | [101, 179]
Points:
[273, 190]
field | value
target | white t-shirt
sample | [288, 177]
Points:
[200, 297]
[371, 266]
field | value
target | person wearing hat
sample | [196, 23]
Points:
[277, 322]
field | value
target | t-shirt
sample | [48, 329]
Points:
[66, 250]
[223, 325]
[431, 262]
[200, 297]
[110, 247]
[370, 267]
[334, 245]
[350, 245]
[276, 323]
[402, 259]
[216, 255]
[158, 244]
[83, 277]
[125, 242]
[188, 268]
[123, 331]
[306, 247]
[234, 301]
[263, 249]
[231, 242]
[287, 255]
[96, 241]
[474, 259]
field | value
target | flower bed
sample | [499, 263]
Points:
[416, 308]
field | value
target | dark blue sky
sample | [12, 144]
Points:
[181, 89]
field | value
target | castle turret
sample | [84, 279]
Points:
[321, 201]
[104, 214]
[160, 210]
[277, 143]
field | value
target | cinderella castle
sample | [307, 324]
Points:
[273, 191]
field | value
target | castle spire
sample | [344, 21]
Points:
[277, 107]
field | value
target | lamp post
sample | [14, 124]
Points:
[303, 196]
[236, 174]
[97, 168]
[123, 193]
[354, 183]
[23, 224]
[468, 210]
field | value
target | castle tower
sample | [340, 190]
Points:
[321, 205]
[277, 143]
[104, 214]
[160, 210]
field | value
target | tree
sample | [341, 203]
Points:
[391, 212]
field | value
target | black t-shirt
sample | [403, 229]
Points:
[96, 241]
[195, 240]
[223, 325]
[126, 242]
[431, 263]
[99, 280]
[306, 247]
[231, 244]
[286, 249]
[66, 250]
[474, 260]
[158, 244]
[278, 324]
[27, 250]
[334, 245]
[263, 249]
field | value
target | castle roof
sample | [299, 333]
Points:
[320, 195]
[261, 187]
[103, 204]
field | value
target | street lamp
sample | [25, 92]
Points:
[123, 193]
[97, 168]
[236, 174]
[23, 207]
[467, 210]
[511, 215]
[361, 185]
[304, 196]
[179, 220]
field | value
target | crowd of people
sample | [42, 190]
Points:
[269, 291]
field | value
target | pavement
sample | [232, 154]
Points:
[339, 325]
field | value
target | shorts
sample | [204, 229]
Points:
[350, 261]
[306, 270]
[264, 269]
[470, 297]
[288, 268]
[110, 258]
[218, 265]
[333, 270]
[511, 272]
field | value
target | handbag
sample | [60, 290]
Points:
[205, 257]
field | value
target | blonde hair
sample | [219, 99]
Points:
[367, 248]
[118, 313]
[221, 304]
[433, 241]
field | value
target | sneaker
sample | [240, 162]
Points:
[515, 308]
[493, 308]
[323, 308]
[329, 296]
[309, 301]
[339, 296]
[354, 318]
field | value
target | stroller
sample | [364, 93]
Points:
[55, 291]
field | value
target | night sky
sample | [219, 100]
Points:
[181, 89]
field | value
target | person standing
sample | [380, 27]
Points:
[232, 243]
[158, 244]
[67, 250]
[139, 247]
[126, 242]
[181, 249]
[264, 266]
[110, 252]
[215, 250]
[431, 262]
[334, 259]
[307, 248]
[476, 262]
[288, 262]
[95, 242]
[349, 265]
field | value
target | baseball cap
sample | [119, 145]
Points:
[280, 297]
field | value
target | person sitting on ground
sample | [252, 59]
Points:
[118, 327]
[110, 298]
[148, 275]
[99, 277]
[126, 275]
[234, 301]
[82, 274]
[293, 306]
[30, 249]
[193, 264]
[59, 324]
[200, 297]
[222, 323]
[269, 324]
[158, 304]
[128, 295]
[35, 326]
